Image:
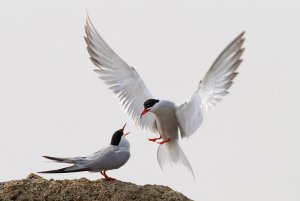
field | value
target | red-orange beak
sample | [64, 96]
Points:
[126, 134]
[146, 110]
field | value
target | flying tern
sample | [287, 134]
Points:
[162, 116]
[111, 157]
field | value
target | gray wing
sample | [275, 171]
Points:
[106, 159]
[122, 79]
[212, 88]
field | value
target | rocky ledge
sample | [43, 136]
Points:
[35, 187]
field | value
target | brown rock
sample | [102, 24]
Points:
[37, 188]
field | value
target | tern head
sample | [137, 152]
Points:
[148, 105]
[117, 136]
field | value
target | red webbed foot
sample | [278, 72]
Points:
[154, 139]
[106, 178]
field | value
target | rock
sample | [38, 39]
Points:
[35, 187]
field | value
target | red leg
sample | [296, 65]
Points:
[101, 172]
[154, 139]
[164, 141]
[107, 178]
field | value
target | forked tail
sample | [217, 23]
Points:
[170, 153]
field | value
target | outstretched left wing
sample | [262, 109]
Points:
[212, 88]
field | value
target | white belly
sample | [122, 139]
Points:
[166, 120]
[167, 127]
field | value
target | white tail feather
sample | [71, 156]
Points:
[170, 153]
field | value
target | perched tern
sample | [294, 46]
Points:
[111, 157]
[162, 116]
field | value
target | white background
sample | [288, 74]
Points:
[52, 103]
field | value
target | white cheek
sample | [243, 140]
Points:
[153, 109]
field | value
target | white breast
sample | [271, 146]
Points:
[164, 112]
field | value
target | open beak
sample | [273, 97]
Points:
[123, 130]
[146, 110]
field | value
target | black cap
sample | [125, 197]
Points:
[150, 102]
[116, 138]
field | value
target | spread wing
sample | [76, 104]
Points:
[122, 79]
[212, 88]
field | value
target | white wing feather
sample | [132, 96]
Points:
[122, 79]
[212, 88]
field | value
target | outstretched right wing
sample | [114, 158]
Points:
[122, 79]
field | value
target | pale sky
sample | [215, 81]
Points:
[52, 103]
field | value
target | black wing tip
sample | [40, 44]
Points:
[48, 157]
[241, 35]
[64, 170]
[43, 172]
